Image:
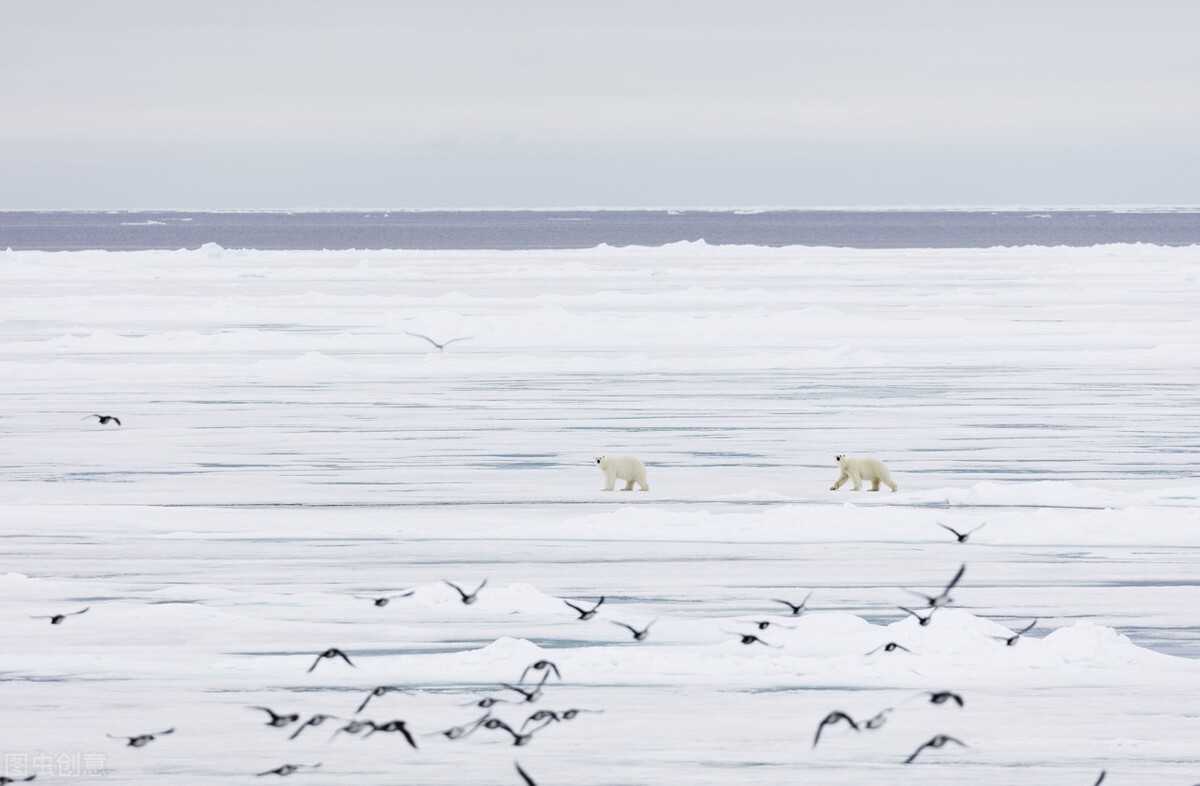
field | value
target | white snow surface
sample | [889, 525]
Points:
[286, 447]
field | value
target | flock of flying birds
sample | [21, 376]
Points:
[521, 692]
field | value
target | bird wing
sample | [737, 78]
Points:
[460, 592]
[572, 605]
[957, 534]
[363, 706]
[599, 603]
[81, 611]
[482, 584]
[117, 420]
[408, 737]
[981, 526]
[427, 338]
[629, 628]
[1028, 627]
[788, 603]
[525, 776]
[161, 733]
[344, 657]
[310, 668]
[463, 338]
[915, 753]
[954, 580]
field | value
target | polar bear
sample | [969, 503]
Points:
[860, 469]
[628, 468]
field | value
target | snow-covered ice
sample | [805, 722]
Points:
[286, 447]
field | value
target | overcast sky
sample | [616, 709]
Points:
[357, 103]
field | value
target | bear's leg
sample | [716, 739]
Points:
[856, 480]
[642, 483]
[628, 485]
[893, 485]
[842, 478]
[610, 480]
[875, 484]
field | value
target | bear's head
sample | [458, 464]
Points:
[839, 458]
[599, 459]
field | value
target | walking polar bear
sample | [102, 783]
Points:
[628, 468]
[860, 469]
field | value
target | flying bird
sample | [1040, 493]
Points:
[384, 600]
[142, 740]
[315, 720]
[878, 719]
[530, 695]
[936, 742]
[519, 739]
[56, 619]
[375, 693]
[942, 696]
[1097, 783]
[354, 727]
[764, 624]
[571, 713]
[750, 638]
[638, 635]
[441, 347]
[891, 646]
[831, 719]
[467, 599]
[5, 780]
[797, 609]
[962, 536]
[457, 732]
[278, 721]
[104, 419]
[540, 665]
[943, 598]
[288, 769]
[396, 725]
[922, 621]
[332, 652]
[586, 615]
[1011, 640]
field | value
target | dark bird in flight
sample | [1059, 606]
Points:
[525, 776]
[467, 599]
[397, 726]
[831, 719]
[936, 742]
[530, 695]
[4, 779]
[922, 621]
[1101, 778]
[878, 719]
[315, 720]
[518, 738]
[354, 727]
[489, 701]
[288, 769]
[1011, 640]
[542, 715]
[278, 721]
[332, 652]
[540, 666]
[56, 619]
[570, 714]
[797, 609]
[383, 600]
[942, 599]
[104, 419]
[764, 624]
[441, 347]
[142, 740]
[961, 536]
[586, 615]
[375, 693]
[638, 635]
[891, 646]
[458, 732]
[750, 638]
[942, 696]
